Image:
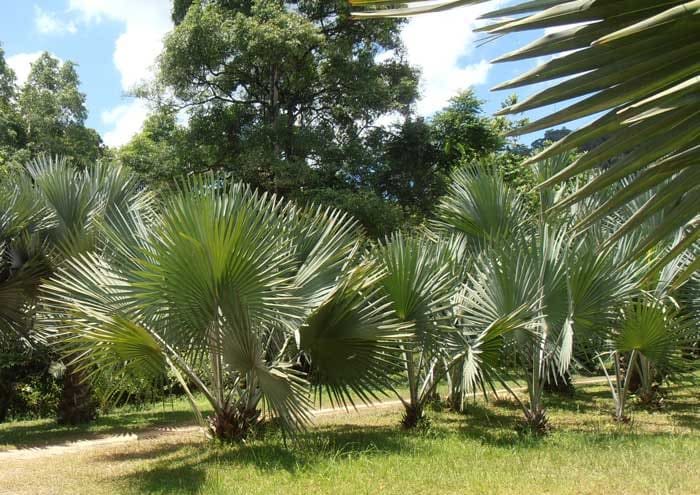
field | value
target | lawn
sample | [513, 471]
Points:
[41, 432]
[166, 414]
[366, 452]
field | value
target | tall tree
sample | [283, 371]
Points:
[160, 151]
[282, 93]
[7, 80]
[409, 169]
[463, 132]
[12, 135]
[417, 157]
[54, 112]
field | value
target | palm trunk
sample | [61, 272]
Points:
[413, 413]
[622, 383]
[77, 405]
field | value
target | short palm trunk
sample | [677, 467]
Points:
[536, 422]
[233, 424]
[77, 404]
[561, 385]
[413, 416]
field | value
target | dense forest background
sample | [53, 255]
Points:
[294, 98]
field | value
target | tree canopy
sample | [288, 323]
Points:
[46, 115]
[280, 94]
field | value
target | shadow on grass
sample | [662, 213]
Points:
[40, 433]
[183, 468]
[497, 425]
[691, 421]
[583, 401]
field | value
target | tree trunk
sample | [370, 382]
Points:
[77, 405]
[6, 393]
[233, 424]
[413, 414]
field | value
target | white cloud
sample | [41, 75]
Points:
[21, 64]
[438, 43]
[125, 120]
[49, 23]
[135, 52]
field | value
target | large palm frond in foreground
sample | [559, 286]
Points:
[634, 65]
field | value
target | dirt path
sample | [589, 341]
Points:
[110, 440]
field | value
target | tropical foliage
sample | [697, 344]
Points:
[240, 284]
[255, 302]
[419, 285]
[132, 274]
[50, 214]
[633, 67]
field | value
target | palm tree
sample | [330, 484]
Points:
[46, 216]
[237, 284]
[419, 286]
[637, 63]
[650, 340]
[22, 262]
[480, 207]
[529, 292]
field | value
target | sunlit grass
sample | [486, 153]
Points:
[41, 432]
[477, 452]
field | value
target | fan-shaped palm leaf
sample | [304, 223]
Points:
[353, 339]
[418, 285]
[223, 278]
[480, 206]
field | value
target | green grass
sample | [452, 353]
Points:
[41, 432]
[477, 452]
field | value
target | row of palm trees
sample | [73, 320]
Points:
[258, 304]
[632, 67]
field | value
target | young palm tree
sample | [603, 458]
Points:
[48, 215]
[239, 284]
[419, 285]
[529, 291]
[650, 340]
[75, 203]
[22, 261]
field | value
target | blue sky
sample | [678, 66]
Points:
[115, 42]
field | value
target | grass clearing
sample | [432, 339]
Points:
[42, 432]
[478, 452]
[129, 419]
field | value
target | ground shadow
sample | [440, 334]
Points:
[495, 425]
[171, 464]
[184, 467]
[581, 401]
[691, 421]
[45, 433]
